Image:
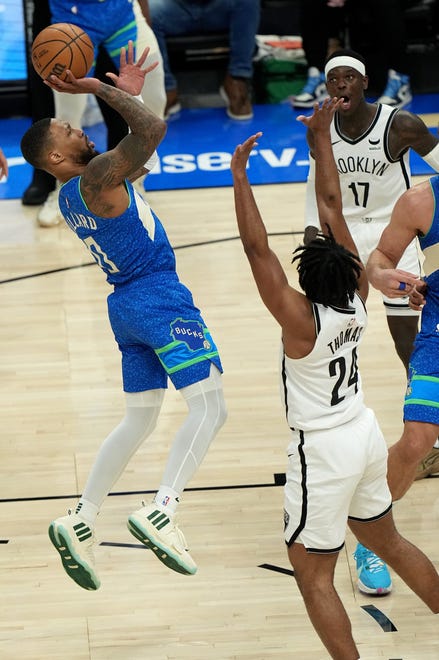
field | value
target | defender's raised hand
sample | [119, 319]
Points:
[322, 115]
[240, 158]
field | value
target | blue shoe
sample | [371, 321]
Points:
[373, 574]
[397, 92]
[314, 90]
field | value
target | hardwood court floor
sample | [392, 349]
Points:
[61, 394]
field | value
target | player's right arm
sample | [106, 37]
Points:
[411, 215]
[110, 169]
[289, 307]
[312, 225]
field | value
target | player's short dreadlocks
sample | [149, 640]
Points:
[328, 272]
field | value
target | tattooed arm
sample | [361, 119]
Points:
[103, 178]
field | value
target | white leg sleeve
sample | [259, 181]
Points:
[153, 92]
[70, 107]
[207, 414]
[115, 452]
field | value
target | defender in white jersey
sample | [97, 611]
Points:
[159, 330]
[371, 144]
[337, 455]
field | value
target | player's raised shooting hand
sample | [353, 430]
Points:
[72, 85]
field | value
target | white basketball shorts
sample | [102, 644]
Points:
[333, 475]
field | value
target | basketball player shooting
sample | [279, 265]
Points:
[159, 330]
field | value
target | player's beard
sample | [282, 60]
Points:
[86, 156]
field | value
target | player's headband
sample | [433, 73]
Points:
[345, 60]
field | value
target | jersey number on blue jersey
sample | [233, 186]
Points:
[99, 255]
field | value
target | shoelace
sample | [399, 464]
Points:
[374, 564]
[180, 537]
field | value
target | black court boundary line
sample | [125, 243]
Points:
[277, 569]
[65, 269]
[278, 480]
[114, 544]
[383, 621]
[380, 618]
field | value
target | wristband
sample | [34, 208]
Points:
[152, 161]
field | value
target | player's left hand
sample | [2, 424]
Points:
[394, 282]
[131, 75]
[240, 158]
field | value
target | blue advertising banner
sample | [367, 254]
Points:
[199, 144]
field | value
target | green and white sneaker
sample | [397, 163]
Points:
[157, 530]
[74, 540]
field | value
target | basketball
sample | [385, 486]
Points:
[62, 46]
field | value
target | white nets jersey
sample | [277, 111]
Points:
[323, 389]
[371, 181]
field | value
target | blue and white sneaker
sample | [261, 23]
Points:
[158, 531]
[74, 540]
[314, 90]
[397, 92]
[373, 574]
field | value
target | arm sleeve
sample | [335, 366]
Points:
[152, 161]
[432, 158]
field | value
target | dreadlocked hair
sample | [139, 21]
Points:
[328, 272]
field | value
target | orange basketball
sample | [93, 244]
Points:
[62, 46]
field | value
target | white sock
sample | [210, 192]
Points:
[87, 511]
[167, 498]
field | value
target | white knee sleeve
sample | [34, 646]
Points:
[142, 411]
[207, 413]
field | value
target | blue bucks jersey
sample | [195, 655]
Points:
[430, 248]
[422, 396]
[128, 247]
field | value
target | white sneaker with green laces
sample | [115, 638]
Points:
[158, 531]
[74, 540]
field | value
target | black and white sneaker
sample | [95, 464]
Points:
[397, 93]
[314, 90]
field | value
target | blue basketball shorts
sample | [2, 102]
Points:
[161, 334]
[421, 403]
[110, 23]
